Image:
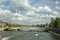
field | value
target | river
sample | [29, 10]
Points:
[14, 35]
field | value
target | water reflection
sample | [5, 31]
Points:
[27, 35]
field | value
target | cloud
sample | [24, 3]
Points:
[2, 6]
[21, 10]
[35, 17]
[44, 9]
[30, 13]
[57, 7]
[2, 1]
[4, 11]
[35, 20]
[18, 18]
[47, 8]
[18, 4]
[5, 14]
[55, 12]
[56, 2]
[17, 14]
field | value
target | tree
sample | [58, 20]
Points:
[51, 25]
[55, 23]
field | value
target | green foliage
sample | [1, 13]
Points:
[12, 25]
[51, 25]
[55, 23]
[40, 25]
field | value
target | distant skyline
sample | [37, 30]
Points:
[29, 11]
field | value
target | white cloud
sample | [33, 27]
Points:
[28, 11]
[17, 14]
[22, 3]
[55, 12]
[52, 16]
[12, 16]
[35, 20]
[42, 16]
[44, 9]
[2, 1]
[31, 11]
[47, 8]
[4, 11]
[47, 16]
[40, 9]
[56, 2]
[19, 18]
[58, 7]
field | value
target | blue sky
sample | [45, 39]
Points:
[29, 11]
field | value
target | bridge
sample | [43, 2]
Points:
[26, 28]
[23, 28]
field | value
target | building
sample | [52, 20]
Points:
[2, 24]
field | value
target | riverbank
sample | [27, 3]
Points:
[56, 35]
[10, 29]
[1, 29]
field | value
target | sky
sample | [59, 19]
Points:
[29, 11]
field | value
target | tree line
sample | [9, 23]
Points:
[55, 23]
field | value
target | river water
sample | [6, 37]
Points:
[14, 35]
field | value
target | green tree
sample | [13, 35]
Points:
[55, 23]
[51, 25]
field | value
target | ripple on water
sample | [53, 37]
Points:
[26, 35]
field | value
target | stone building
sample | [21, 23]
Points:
[2, 24]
